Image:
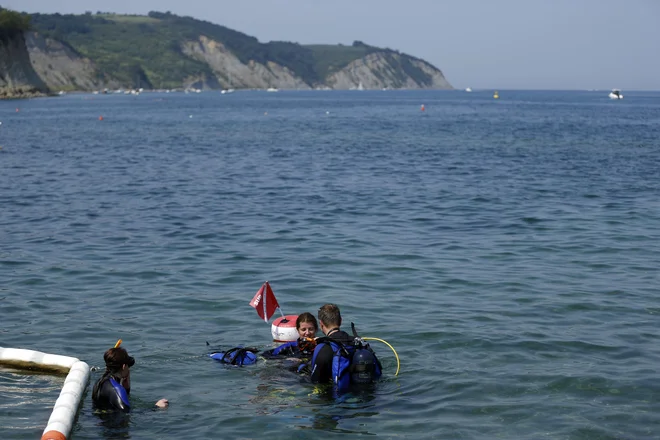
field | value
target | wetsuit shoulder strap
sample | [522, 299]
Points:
[320, 343]
[121, 391]
[337, 346]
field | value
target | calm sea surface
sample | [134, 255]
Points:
[507, 249]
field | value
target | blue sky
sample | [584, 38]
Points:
[504, 44]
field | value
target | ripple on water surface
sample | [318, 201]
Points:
[506, 249]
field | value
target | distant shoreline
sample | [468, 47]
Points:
[20, 93]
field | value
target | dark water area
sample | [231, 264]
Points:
[507, 249]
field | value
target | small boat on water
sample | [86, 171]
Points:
[229, 89]
[468, 89]
[616, 94]
[272, 89]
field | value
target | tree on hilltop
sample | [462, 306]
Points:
[12, 22]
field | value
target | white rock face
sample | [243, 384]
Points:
[375, 71]
[17, 76]
[382, 70]
[59, 66]
[232, 73]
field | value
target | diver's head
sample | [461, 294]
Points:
[118, 363]
[329, 318]
[117, 358]
[306, 325]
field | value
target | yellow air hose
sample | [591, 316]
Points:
[398, 364]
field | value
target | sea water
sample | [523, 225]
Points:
[507, 249]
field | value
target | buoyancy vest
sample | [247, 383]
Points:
[352, 363]
[236, 356]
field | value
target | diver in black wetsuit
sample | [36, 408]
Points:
[111, 391]
[330, 320]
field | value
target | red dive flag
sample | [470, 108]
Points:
[265, 302]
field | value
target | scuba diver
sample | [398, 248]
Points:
[336, 358]
[111, 391]
[340, 358]
[302, 348]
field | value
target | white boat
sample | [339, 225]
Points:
[616, 94]
[272, 89]
[468, 89]
[229, 89]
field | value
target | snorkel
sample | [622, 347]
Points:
[117, 365]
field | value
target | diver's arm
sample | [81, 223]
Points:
[288, 349]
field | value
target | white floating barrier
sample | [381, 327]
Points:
[64, 412]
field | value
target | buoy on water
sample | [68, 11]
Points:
[284, 329]
[496, 95]
[422, 108]
[100, 118]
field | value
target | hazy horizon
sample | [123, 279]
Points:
[510, 44]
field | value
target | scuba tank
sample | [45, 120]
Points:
[365, 366]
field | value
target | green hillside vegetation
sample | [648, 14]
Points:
[145, 51]
[331, 58]
[12, 22]
[137, 51]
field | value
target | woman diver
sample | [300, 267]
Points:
[112, 389]
[300, 349]
[303, 347]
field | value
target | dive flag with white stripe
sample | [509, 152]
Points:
[264, 302]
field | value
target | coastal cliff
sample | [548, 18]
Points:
[381, 70]
[164, 51]
[377, 70]
[60, 67]
[230, 72]
[18, 78]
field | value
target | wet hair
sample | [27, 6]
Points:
[306, 317]
[116, 358]
[329, 315]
